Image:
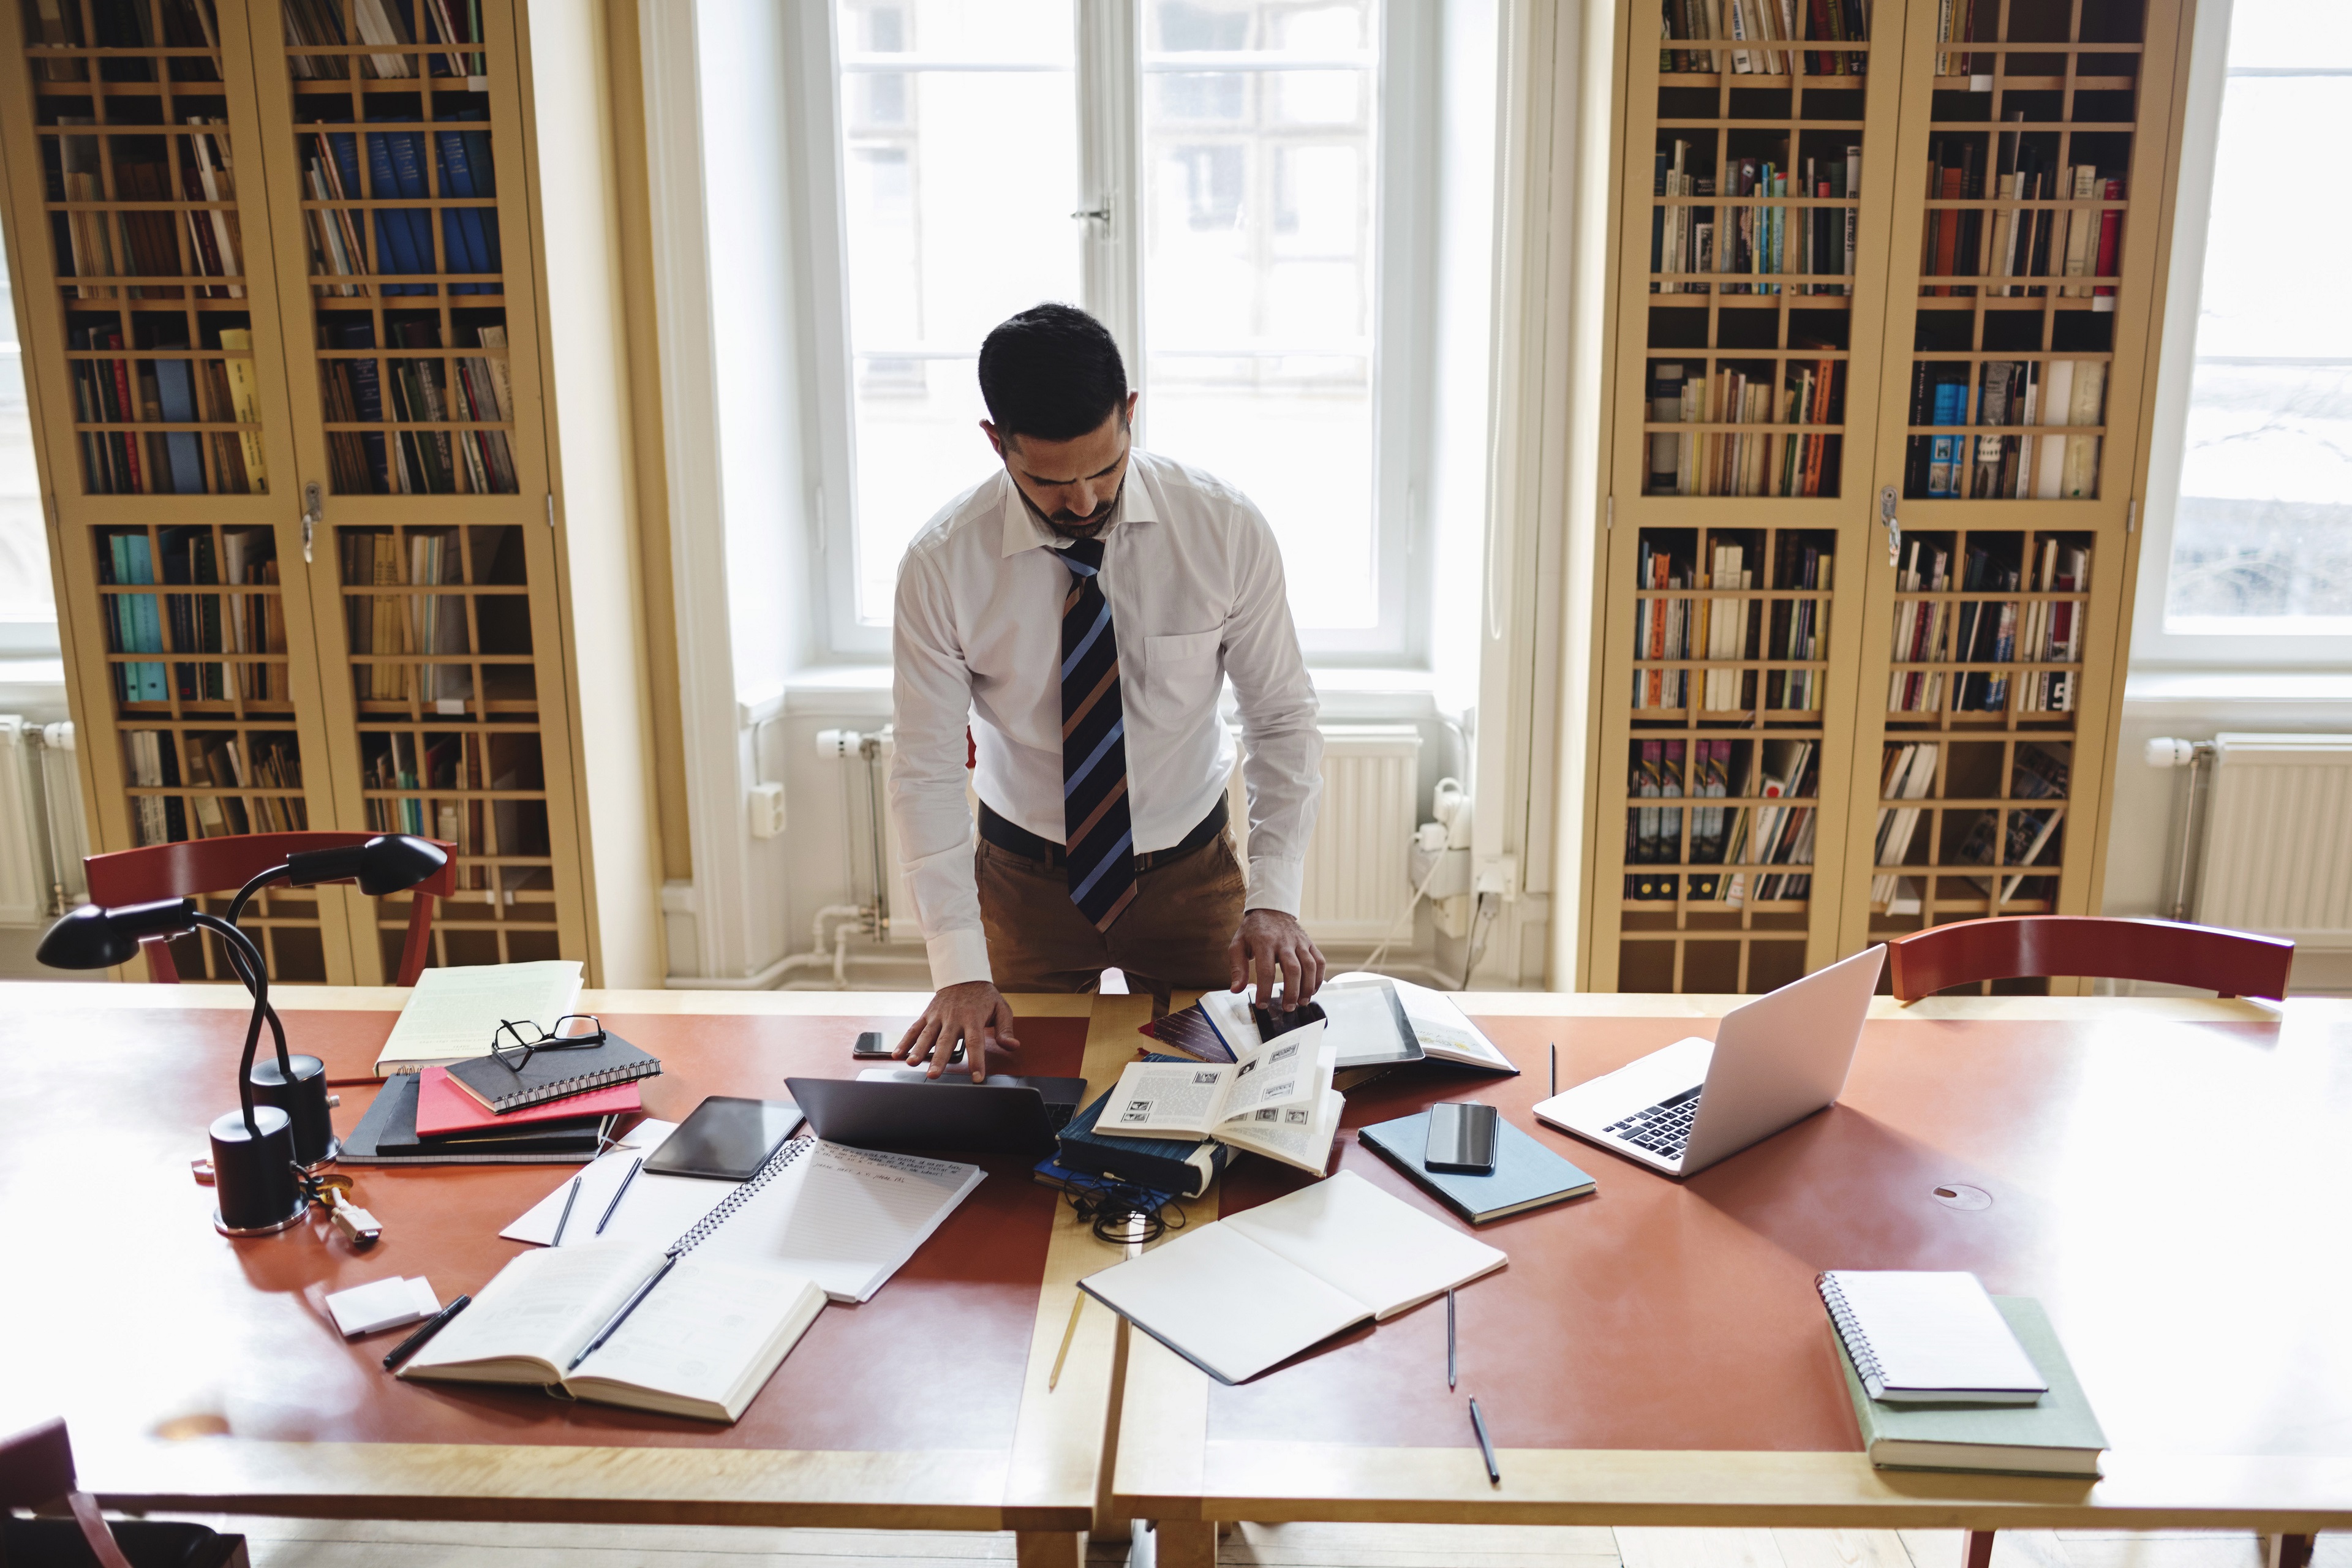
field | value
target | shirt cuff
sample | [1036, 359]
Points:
[1276, 883]
[959, 957]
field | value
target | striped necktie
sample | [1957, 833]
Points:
[1099, 845]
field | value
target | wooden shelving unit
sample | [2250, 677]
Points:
[372, 446]
[1982, 703]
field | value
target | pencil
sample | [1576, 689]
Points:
[564, 1218]
[1478, 1425]
[1449, 1339]
[1555, 1066]
[1068, 1335]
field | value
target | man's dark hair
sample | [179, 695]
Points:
[1051, 371]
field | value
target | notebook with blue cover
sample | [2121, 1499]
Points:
[1526, 1175]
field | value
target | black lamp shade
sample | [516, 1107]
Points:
[388, 863]
[93, 938]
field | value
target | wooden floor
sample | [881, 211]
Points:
[338, 1543]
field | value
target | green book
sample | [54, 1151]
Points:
[2058, 1436]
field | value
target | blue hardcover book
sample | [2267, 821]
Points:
[1526, 1175]
[395, 242]
[1943, 451]
[357, 331]
[1184, 1166]
[407, 150]
[464, 228]
[177, 391]
[146, 621]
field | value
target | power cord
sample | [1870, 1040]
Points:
[1122, 1214]
[1477, 942]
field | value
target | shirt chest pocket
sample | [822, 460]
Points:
[1182, 669]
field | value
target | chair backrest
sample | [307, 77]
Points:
[35, 1468]
[2017, 947]
[222, 865]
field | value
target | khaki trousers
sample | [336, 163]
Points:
[1172, 936]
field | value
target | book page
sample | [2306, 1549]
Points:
[846, 1218]
[704, 1333]
[1294, 1135]
[1224, 1303]
[1156, 1098]
[542, 1305]
[1279, 1072]
[452, 1012]
[1379, 1249]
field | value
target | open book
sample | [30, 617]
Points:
[1156, 1099]
[702, 1344]
[1445, 1031]
[1235, 1296]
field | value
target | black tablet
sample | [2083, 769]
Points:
[726, 1139]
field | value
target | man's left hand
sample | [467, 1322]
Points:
[1276, 947]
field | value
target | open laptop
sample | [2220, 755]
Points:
[1773, 1061]
[898, 1107]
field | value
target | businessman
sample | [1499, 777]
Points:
[1077, 616]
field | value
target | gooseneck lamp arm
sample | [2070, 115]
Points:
[255, 975]
[235, 910]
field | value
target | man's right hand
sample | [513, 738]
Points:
[974, 1013]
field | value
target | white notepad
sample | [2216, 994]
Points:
[1922, 1338]
[1237, 1297]
[846, 1218]
[452, 1012]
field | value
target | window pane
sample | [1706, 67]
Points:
[25, 591]
[2261, 541]
[960, 173]
[1258, 287]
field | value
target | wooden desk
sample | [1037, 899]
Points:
[203, 1374]
[2168, 1178]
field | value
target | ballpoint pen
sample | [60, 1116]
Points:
[614, 1207]
[1478, 1425]
[432, 1326]
[571, 1197]
[1555, 1066]
[1449, 1339]
[622, 1316]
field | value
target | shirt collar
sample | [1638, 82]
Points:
[1021, 530]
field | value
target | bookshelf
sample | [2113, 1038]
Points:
[1805, 744]
[374, 447]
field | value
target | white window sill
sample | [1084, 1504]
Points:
[2149, 689]
[33, 688]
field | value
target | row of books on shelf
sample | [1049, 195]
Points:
[270, 768]
[95, 241]
[200, 623]
[166, 391]
[1729, 628]
[2026, 242]
[384, 24]
[1722, 835]
[2007, 468]
[1908, 773]
[467, 389]
[391, 624]
[123, 25]
[404, 236]
[2042, 631]
[451, 761]
[1754, 241]
[1730, 464]
[1767, 21]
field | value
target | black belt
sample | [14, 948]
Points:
[1014, 840]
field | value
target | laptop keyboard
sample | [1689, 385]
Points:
[1663, 1129]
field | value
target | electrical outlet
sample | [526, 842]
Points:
[1497, 874]
[1453, 916]
[767, 810]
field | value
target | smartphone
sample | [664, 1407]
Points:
[1463, 1138]
[1272, 1021]
[870, 1047]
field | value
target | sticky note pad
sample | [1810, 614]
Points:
[381, 1304]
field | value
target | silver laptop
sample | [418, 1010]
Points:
[1773, 1061]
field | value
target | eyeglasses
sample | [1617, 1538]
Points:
[516, 1040]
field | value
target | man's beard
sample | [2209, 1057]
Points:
[1070, 525]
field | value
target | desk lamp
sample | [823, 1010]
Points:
[254, 1171]
[387, 863]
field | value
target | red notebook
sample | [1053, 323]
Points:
[443, 1108]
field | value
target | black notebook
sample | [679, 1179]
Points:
[552, 1074]
[386, 1135]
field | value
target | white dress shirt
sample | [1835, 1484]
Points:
[1194, 580]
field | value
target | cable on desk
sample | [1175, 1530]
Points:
[1112, 1208]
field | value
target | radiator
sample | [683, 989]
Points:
[1356, 882]
[2278, 838]
[42, 839]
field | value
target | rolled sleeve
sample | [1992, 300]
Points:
[931, 699]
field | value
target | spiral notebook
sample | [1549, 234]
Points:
[1921, 1338]
[552, 1074]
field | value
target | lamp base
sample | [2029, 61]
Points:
[303, 1098]
[253, 1174]
[302, 1207]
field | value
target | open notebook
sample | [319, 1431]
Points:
[1237, 1297]
[818, 1221]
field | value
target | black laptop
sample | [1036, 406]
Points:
[900, 1109]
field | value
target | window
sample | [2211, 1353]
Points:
[2259, 561]
[988, 148]
[28, 611]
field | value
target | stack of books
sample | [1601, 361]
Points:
[561, 1108]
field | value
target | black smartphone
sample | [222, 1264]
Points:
[1463, 1138]
[869, 1044]
[1272, 1021]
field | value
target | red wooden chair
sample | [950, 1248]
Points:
[37, 1467]
[2018, 947]
[223, 864]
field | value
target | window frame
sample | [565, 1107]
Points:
[2152, 646]
[1108, 52]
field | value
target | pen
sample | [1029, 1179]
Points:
[1478, 1425]
[610, 1209]
[1449, 1339]
[1068, 1335]
[1555, 1066]
[622, 1316]
[433, 1325]
[564, 1218]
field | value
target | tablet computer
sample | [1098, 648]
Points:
[726, 1139]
